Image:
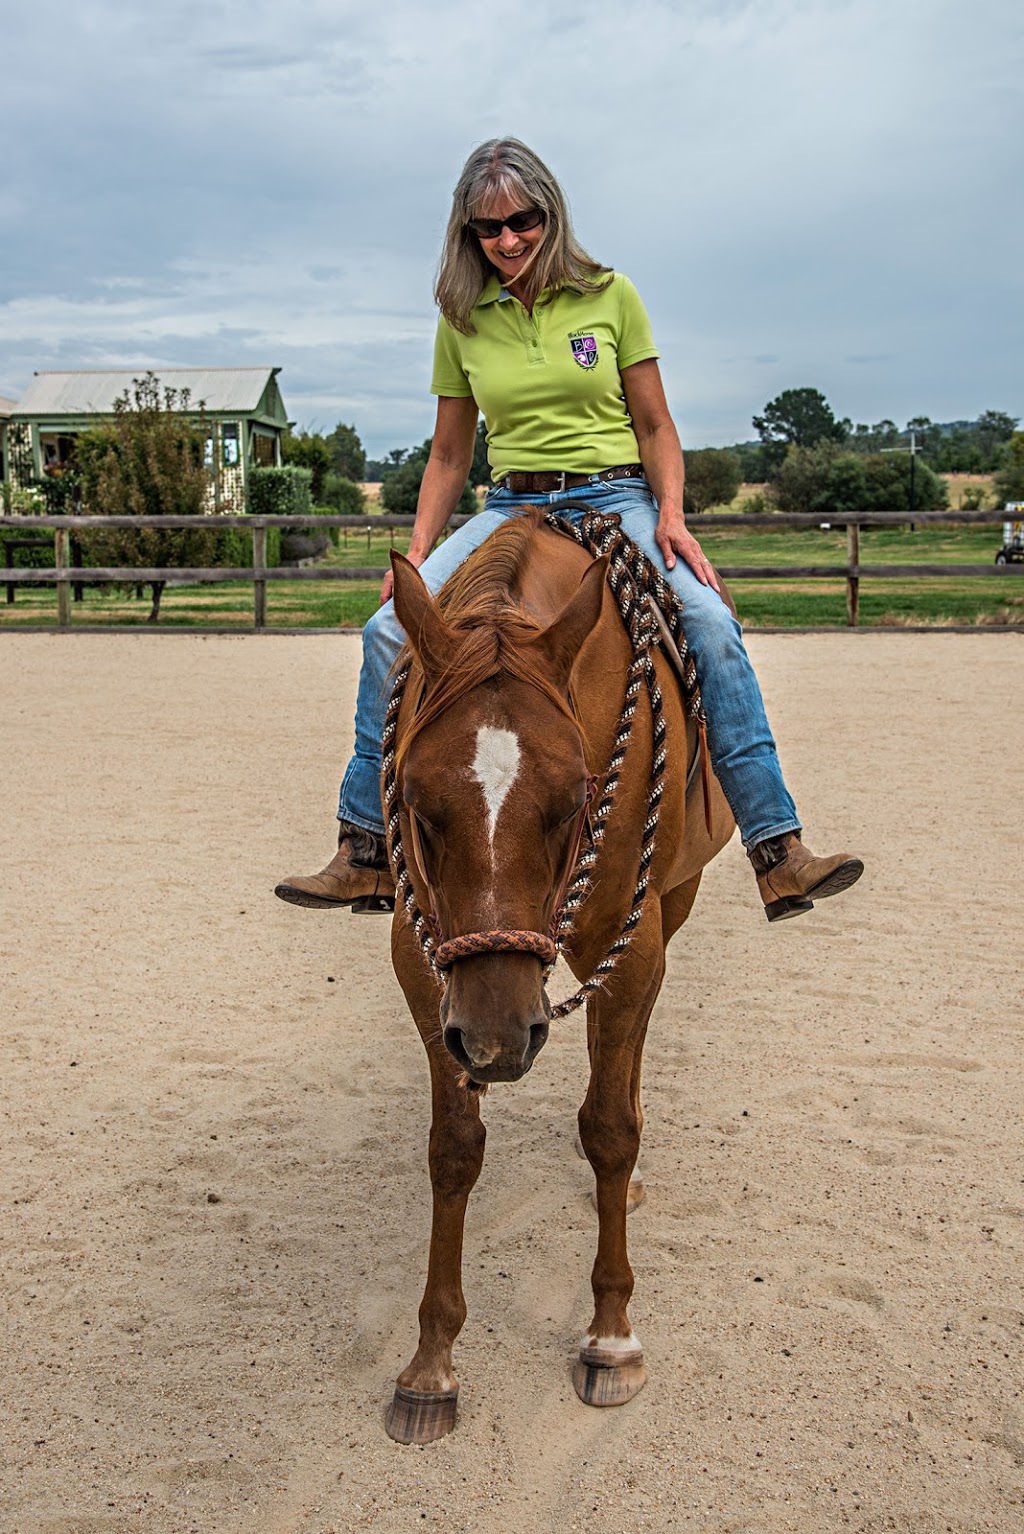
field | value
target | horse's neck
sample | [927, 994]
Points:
[550, 574]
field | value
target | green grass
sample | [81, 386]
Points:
[782, 603]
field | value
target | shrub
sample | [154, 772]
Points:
[343, 496]
[234, 547]
[280, 492]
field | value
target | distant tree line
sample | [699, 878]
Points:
[810, 461]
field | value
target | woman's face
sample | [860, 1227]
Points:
[509, 253]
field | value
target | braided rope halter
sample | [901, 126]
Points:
[636, 585]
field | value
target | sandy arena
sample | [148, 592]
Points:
[215, 1116]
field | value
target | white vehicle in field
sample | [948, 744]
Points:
[1013, 534]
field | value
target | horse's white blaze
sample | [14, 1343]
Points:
[495, 768]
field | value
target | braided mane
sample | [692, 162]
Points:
[491, 632]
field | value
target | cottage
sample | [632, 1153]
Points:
[7, 408]
[243, 408]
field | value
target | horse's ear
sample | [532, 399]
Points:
[420, 616]
[562, 641]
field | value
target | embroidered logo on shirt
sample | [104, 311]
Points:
[584, 349]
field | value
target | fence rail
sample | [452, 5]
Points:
[64, 573]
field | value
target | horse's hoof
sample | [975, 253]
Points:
[605, 1378]
[635, 1193]
[420, 1416]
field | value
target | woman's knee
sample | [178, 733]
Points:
[712, 633]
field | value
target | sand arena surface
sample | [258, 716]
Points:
[215, 1194]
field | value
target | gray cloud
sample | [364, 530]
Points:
[805, 191]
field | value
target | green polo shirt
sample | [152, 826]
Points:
[549, 385]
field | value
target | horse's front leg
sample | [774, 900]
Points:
[610, 1367]
[424, 1404]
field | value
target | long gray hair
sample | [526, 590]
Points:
[504, 167]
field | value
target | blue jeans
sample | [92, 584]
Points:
[743, 753]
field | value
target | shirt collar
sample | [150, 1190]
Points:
[494, 292]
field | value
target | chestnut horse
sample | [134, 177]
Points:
[507, 721]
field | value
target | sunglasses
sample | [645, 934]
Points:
[490, 228]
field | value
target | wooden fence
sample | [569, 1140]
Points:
[65, 574]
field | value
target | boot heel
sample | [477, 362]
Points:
[377, 905]
[789, 905]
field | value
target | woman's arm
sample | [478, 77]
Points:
[451, 457]
[662, 458]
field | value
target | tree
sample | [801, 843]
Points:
[800, 483]
[480, 473]
[347, 456]
[888, 484]
[713, 476]
[400, 489]
[149, 461]
[796, 418]
[994, 428]
[753, 462]
[309, 450]
[1009, 480]
[828, 482]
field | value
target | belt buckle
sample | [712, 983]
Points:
[561, 487]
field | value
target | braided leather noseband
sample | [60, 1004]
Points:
[503, 940]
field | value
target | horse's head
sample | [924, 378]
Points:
[495, 786]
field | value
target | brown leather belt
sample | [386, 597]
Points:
[546, 482]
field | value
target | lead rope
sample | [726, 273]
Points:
[635, 585]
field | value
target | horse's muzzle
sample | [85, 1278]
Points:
[508, 1065]
[492, 1033]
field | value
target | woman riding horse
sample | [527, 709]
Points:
[556, 351]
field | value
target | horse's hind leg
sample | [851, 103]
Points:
[424, 1404]
[610, 1368]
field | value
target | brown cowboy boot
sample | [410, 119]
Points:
[358, 876]
[791, 879]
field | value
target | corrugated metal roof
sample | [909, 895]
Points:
[7, 405]
[94, 393]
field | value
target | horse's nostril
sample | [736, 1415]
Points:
[453, 1043]
[538, 1038]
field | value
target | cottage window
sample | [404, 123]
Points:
[263, 450]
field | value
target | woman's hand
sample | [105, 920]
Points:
[674, 537]
[388, 584]
[447, 468]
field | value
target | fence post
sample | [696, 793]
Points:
[62, 558]
[259, 587]
[852, 581]
[76, 560]
[9, 562]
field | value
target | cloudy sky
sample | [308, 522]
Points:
[806, 192]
